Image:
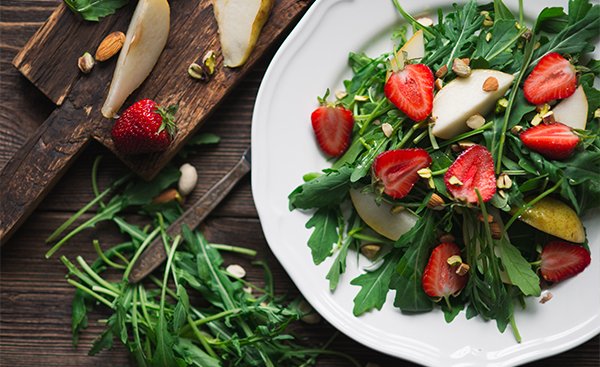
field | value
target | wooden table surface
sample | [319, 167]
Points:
[34, 297]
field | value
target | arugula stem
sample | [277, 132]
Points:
[102, 255]
[511, 100]
[90, 292]
[107, 291]
[201, 338]
[466, 135]
[94, 275]
[139, 251]
[409, 18]
[532, 202]
[234, 249]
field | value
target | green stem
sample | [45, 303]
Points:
[139, 251]
[234, 249]
[103, 256]
[94, 275]
[511, 100]
[90, 292]
[466, 135]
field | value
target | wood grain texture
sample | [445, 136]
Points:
[34, 297]
[64, 37]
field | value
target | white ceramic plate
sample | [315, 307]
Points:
[314, 58]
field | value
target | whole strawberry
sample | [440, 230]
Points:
[145, 127]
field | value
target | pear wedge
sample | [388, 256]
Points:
[556, 218]
[240, 23]
[463, 98]
[573, 111]
[415, 46]
[145, 40]
[380, 217]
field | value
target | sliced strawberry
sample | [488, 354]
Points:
[473, 169]
[397, 170]
[562, 260]
[333, 128]
[411, 90]
[553, 141]
[440, 278]
[552, 78]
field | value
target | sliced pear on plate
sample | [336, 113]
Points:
[556, 218]
[463, 98]
[145, 40]
[380, 217]
[415, 46]
[573, 111]
[240, 23]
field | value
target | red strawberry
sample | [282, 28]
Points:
[411, 90]
[144, 127]
[552, 78]
[440, 278]
[473, 169]
[562, 260]
[553, 141]
[397, 170]
[333, 127]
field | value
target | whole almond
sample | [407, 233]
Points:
[110, 46]
[490, 84]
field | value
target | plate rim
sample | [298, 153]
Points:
[300, 34]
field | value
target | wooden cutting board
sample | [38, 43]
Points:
[49, 61]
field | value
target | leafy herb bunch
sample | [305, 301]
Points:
[191, 311]
[503, 270]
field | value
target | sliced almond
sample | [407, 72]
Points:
[490, 84]
[441, 72]
[110, 46]
[475, 121]
[460, 68]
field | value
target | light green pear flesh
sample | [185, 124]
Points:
[240, 23]
[556, 218]
[463, 98]
[380, 217]
[573, 111]
[145, 40]
[415, 46]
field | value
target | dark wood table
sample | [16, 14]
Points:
[35, 299]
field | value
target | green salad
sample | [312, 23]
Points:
[462, 161]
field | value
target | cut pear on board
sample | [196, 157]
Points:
[463, 98]
[573, 111]
[556, 218]
[414, 47]
[145, 40]
[240, 23]
[380, 217]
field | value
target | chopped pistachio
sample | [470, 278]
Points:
[210, 61]
[454, 260]
[424, 172]
[453, 180]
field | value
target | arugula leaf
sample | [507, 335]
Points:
[325, 222]
[582, 28]
[518, 269]
[339, 264]
[410, 296]
[324, 191]
[192, 355]
[93, 10]
[142, 192]
[375, 285]
[181, 309]
[551, 20]
[79, 320]
[502, 12]
[461, 26]
[504, 37]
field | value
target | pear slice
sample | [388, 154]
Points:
[240, 23]
[463, 98]
[380, 217]
[573, 111]
[145, 40]
[556, 218]
[415, 46]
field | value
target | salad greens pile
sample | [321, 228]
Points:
[192, 311]
[503, 270]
